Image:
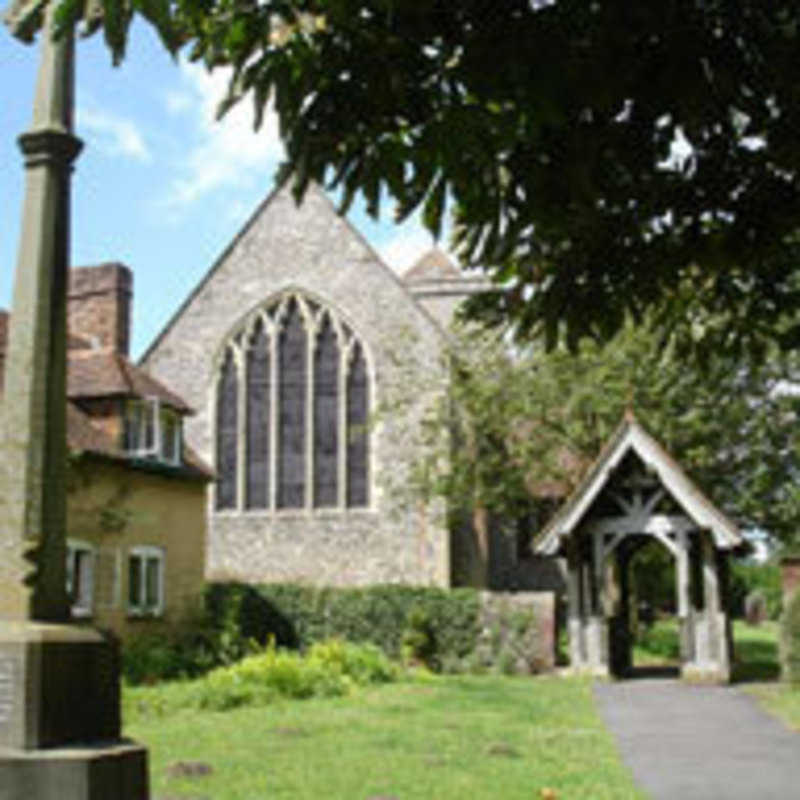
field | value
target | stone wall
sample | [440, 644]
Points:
[312, 250]
[441, 298]
[518, 632]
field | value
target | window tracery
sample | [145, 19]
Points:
[300, 378]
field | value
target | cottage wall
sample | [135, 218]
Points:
[114, 507]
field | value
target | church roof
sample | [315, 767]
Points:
[630, 436]
[433, 266]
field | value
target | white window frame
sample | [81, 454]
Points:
[146, 553]
[84, 605]
[150, 409]
[177, 438]
[145, 409]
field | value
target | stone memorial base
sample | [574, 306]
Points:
[60, 717]
[113, 771]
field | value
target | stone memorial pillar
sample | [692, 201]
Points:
[59, 684]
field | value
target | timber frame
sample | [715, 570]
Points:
[636, 492]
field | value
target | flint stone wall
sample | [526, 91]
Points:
[518, 632]
[312, 250]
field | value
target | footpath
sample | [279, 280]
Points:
[685, 742]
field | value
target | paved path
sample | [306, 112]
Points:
[687, 742]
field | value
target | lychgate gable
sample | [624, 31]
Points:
[633, 493]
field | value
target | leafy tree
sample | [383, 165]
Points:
[551, 126]
[521, 426]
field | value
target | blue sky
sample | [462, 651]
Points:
[160, 185]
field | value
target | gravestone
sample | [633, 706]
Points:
[59, 684]
[790, 577]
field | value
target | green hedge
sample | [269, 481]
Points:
[388, 616]
[451, 630]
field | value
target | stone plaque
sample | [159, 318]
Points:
[6, 691]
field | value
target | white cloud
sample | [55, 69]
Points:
[177, 102]
[113, 134]
[226, 152]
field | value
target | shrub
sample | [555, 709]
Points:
[389, 617]
[790, 640]
[188, 651]
[149, 658]
[419, 639]
[361, 663]
[329, 669]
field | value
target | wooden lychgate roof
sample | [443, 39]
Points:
[629, 437]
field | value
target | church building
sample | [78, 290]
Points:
[310, 364]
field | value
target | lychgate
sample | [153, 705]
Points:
[636, 492]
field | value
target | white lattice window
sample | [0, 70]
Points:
[146, 581]
[80, 578]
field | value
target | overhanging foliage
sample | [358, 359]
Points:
[551, 128]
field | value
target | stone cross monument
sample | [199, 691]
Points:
[59, 684]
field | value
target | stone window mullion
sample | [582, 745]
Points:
[241, 431]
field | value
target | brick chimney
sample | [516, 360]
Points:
[99, 307]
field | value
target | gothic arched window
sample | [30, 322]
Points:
[326, 418]
[259, 403]
[227, 433]
[357, 441]
[292, 353]
[301, 379]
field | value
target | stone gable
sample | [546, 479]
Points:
[312, 250]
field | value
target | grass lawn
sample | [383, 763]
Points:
[756, 652]
[461, 737]
[756, 649]
[781, 700]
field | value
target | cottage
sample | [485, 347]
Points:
[136, 494]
